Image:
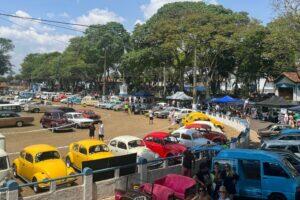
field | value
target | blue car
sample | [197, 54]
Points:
[271, 175]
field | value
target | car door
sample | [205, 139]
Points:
[187, 140]
[28, 166]
[2, 120]
[81, 156]
[274, 179]
[158, 146]
[249, 183]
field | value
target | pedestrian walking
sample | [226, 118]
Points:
[92, 130]
[151, 116]
[188, 163]
[101, 131]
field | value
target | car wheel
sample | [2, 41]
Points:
[68, 162]
[42, 126]
[52, 129]
[77, 126]
[36, 187]
[276, 197]
[36, 110]
[19, 124]
[14, 171]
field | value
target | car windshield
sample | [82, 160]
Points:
[47, 155]
[136, 143]
[294, 169]
[77, 116]
[98, 149]
[197, 135]
[90, 112]
[3, 163]
[170, 140]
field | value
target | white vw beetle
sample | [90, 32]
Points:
[190, 137]
[128, 144]
[78, 120]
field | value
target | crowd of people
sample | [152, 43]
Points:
[219, 184]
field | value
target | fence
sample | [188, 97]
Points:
[102, 189]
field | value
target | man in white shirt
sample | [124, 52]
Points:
[101, 131]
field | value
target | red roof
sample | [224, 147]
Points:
[293, 76]
[158, 134]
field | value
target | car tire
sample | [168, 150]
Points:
[68, 162]
[77, 126]
[36, 110]
[14, 171]
[42, 126]
[276, 197]
[35, 187]
[19, 124]
[52, 129]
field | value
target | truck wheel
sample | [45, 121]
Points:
[36, 110]
[14, 169]
[68, 162]
[19, 124]
[36, 188]
[276, 197]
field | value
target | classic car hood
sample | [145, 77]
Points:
[202, 141]
[143, 152]
[54, 168]
[179, 148]
[101, 155]
[82, 120]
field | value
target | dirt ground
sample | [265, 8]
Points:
[115, 123]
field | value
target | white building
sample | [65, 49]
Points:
[287, 85]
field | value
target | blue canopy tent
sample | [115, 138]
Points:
[142, 94]
[227, 99]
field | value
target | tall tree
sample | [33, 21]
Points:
[5, 47]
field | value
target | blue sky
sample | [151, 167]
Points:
[31, 37]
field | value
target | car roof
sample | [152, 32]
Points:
[74, 113]
[90, 142]
[126, 138]
[185, 131]
[290, 131]
[282, 142]
[158, 134]
[37, 148]
[248, 154]
[8, 111]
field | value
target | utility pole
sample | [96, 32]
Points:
[194, 79]
[104, 75]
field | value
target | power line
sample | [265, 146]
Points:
[44, 20]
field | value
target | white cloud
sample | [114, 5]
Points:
[152, 7]
[98, 16]
[32, 37]
[65, 15]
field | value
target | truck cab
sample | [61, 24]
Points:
[272, 175]
[5, 170]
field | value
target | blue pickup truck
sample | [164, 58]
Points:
[272, 175]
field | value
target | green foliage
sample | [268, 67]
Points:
[5, 47]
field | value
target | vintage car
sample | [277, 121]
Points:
[128, 144]
[164, 144]
[181, 113]
[59, 97]
[165, 113]
[89, 101]
[72, 99]
[290, 145]
[40, 162]
[119, 107]
[78, 120]
[190, 137]
[198, 116]
[55, 120]
[86, 150]
[9, 118]
[272, 130]
[208, 123]
[37, 107]
[90, 115]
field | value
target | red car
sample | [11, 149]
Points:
[205, 130]
[59, 97]
[90, 115]
[164, 144]
[55, 120]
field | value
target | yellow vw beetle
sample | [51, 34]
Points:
[195, 116]
[40, 162]
[86, 150]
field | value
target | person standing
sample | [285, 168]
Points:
[151, 116]
[92, 131]
[203, 177]
[188, 163]
[229, 180]
[101, 131]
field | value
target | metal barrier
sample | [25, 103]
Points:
[11, 189]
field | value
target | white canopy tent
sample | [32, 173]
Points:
[180, 96]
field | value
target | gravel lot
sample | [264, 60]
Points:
[116, 123]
